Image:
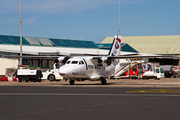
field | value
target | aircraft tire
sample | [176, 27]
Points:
[103, 81]
[71, 82]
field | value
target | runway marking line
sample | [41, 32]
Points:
[155, 91]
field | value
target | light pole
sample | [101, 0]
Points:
[20, 32]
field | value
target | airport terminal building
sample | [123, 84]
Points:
[33, 46]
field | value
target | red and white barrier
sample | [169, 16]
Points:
[8, 79]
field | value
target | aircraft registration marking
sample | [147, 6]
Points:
[78, 74]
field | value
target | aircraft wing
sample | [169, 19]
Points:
[140, 56]
[134, 56]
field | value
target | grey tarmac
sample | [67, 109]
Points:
[119, 99]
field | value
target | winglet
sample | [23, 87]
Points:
[116, 46]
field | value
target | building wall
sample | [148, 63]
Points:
[7, 63]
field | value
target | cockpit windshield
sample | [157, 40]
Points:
[68, 62]
[75, 62]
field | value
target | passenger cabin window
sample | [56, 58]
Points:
[74, 62]
[68, 62]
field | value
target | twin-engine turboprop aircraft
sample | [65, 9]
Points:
[93, 68]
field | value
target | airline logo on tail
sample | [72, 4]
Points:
[115, 49]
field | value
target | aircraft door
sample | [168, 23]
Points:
[82, 68]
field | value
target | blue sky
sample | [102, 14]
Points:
[90, 19]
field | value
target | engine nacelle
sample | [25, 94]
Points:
[104, 61]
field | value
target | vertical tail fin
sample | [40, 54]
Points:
[116, 46]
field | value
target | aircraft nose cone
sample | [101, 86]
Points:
[63, 71]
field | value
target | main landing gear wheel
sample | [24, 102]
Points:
[71, 82]
[103, 81]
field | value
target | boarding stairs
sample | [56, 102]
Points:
[124, 67]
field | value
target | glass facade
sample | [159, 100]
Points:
[32, 41]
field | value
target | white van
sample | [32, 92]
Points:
[156, 74]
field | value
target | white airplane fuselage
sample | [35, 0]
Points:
[82, 68]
